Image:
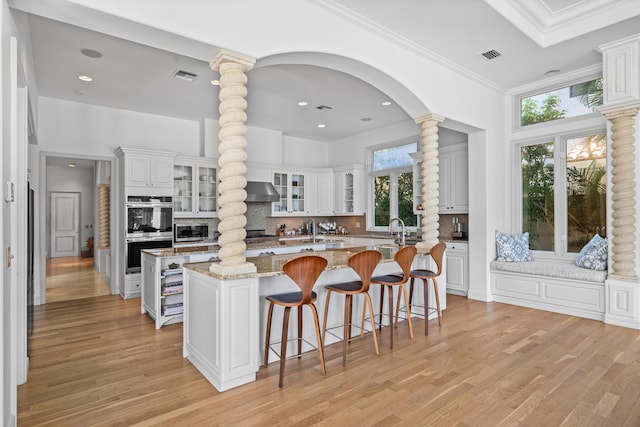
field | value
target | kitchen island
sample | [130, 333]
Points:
[225, 316]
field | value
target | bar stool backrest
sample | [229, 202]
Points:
[364, 263]
[304, 271]
[404, 257]
[437, 252]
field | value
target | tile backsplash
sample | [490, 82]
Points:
[446, 225]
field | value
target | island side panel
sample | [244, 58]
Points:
[221, 328]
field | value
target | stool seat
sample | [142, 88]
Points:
[345, 287]
[418, 274]
[291, 299]
[389, 278]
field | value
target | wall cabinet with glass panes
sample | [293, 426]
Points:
[195, 184]
[349, 190]
[294, 193]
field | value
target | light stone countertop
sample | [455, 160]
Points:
[272, 265]
[190, 250]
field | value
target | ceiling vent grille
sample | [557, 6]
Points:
[323, 107]
[185, 75]
[491, 54]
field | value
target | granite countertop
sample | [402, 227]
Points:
[272, 265]
[203, 249]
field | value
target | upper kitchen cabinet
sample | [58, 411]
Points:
[293, 190]
[349, 190]
[324, 194]
[195, 186]
[454, 180]
[147, 173]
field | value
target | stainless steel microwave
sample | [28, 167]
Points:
[190, 232]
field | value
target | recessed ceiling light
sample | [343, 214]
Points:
[322, 125]
[215, 82]
[303, 103]
[365, 119]
[91, 53]
[386, 103]
[85, 78]
[72, 165]
[551, 72]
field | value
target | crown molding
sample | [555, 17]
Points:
[368, 24]
[557, 80]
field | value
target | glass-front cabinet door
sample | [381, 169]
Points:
[183, 189]
[292, 189]
[280, 182]
[207, 191]
[297, 193]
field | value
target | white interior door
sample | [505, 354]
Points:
[65, 224]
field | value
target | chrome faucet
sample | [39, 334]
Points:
[313, 228]
[401, 225]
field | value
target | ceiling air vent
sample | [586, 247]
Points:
[491, 54]
[185, 75]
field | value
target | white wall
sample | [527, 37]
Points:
[76, 180]
[75, 128]
[304, 152]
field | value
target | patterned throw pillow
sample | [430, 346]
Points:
[512, 247]
[594, 254]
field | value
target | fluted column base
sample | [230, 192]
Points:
[228, 270]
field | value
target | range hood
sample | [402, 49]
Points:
[261, 192]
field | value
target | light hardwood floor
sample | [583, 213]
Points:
[98, 361]
[73, 278]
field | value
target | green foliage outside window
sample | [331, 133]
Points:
[537, 194]
[547, 110]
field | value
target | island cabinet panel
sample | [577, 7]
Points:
[221, 328]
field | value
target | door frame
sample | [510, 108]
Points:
[41, 219]
[78, 221]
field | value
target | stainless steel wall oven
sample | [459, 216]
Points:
[149, 226]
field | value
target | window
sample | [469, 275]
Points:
[568, 101]
[563, 218]
[391, 178]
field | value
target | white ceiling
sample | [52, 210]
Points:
[533, 36]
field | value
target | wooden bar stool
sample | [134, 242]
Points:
[304, 271]
[363, 263]
[404, 257]
[436, 252]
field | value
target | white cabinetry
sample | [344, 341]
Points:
[324, 194]
[454, 180]
[349, 190]
[147, 173]
[162, 288]
[417, 183]
[294, 192]
[195, 186]
[457, 268]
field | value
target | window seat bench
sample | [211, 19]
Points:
[552, 286]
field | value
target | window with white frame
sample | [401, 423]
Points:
[563, 190]
[568, 100]
[391, 184]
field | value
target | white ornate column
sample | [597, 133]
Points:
[232, 174]
[103, 216]
[430, 180]
[623, 189]
[621, 101]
